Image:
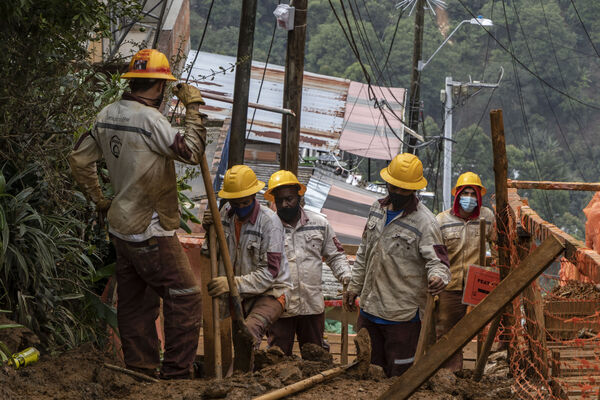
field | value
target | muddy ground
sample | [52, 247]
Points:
[80, 374]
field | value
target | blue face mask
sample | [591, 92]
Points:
[242, 212]
[468, 203]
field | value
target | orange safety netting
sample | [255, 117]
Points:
[552, 329]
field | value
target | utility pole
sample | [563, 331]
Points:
[414, 102]
[292, 89]
[239, 113]
[447, 165]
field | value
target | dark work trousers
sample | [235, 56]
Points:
[145, 271]
[308, 328]
[262, 312]
[393, 347]
[450, 310]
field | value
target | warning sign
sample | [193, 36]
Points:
[480, 282]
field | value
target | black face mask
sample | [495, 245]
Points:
[399, 200]
[288, 214]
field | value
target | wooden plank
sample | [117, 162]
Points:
[548, 185]
[427, 333]
[519, 278]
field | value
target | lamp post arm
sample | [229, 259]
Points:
[422, 65]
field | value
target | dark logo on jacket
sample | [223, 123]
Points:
[115, 146]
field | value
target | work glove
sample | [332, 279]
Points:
[349, 300]
[346, 280]
[188, 94]
[207, 219]
[218, 286]
[435, 286]
[103, 205]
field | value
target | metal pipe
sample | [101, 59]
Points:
[229, 100]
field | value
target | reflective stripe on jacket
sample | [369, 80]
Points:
[394, 262]
[139, 146]
[258, 258]
[461, 238]
[307, 244]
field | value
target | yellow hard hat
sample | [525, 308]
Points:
[149, 64]
[240, 181]
[469, 179]
[405, 171]
[283, 178]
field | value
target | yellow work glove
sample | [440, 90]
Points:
[188, 94]
[103, 205]
[218, 286]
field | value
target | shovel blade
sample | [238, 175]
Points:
[243, 347]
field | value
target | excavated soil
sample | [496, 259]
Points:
[577, 290]
[80, 374]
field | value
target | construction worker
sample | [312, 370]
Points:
[139, 146]
[309, 240]
[400, 259]
[460, 230]
[255, 240]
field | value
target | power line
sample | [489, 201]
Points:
[584, 28]
[518, 61]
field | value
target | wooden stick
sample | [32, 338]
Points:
[548, 185]
[467, 327]
[485, 349]
[243, 341]
[427, 328]
[135, 374]
[344, 350]
[482, 241]
[214, 270]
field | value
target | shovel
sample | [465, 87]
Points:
[243, 341]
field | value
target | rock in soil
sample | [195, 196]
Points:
[443, 381]
[376, 373]
[290, 374]
[217, 391]
[313, 352]
[270, 356]
[363, 355]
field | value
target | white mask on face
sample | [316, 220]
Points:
[467, 203]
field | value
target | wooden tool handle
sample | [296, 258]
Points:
[482, 240]
[214, 209]
[344, 350]
[214, 271]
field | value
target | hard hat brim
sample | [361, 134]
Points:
[238, 195]
[483, 189]
[420, 184]
[269, 196]
[146, 75]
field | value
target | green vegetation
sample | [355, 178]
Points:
[546, 36]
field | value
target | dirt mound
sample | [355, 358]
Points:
[577, 290]
[17, 339]
[80, 374]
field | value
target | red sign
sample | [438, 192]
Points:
[480, 282]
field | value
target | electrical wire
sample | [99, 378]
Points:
[584, 28]
[197, 52]
[526, 68]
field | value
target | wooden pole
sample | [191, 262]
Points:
[502, 221]
[547, 185]
[467, 327]
[214, 270]
[263, 107]
[239, 112]
[427, 334]
[415, 84]
[482, 241]
[292, 89]
[344, 349]
[243, 341]
[485, 350]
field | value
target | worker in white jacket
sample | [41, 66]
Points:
[309, 239]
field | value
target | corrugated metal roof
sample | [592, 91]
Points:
[323, 100]
[366, 132]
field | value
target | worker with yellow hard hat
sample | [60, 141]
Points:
[460, 230]
[401, 258]
[309, 240]
[256, 246]
[140, 146]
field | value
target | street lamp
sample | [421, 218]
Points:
[473, 21]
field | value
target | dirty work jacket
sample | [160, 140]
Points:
[395, 261]
[461, 238]
[139, 146]
[307, 245]
[258, 258]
